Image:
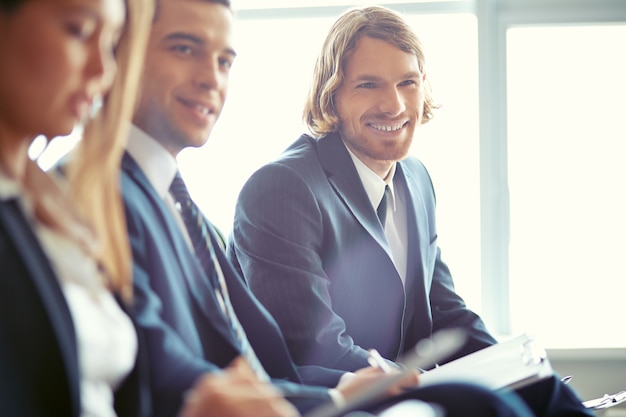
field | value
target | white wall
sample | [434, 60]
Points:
[595, 372]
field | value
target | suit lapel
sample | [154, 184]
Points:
[260, 327]
[344, 178]
[418, 246]
[416, 219]
[193, 275]
[46, 282]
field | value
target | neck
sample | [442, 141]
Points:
[13, 155]
[382, 168]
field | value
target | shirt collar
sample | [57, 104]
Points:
[155, 161]
[374, 185]
[9, 188]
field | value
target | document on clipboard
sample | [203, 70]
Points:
[425, 354]
[509, 364]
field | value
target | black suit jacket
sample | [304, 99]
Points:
[39, 373]
[310, 245]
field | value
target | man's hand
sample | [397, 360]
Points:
[364, 378]
[236, 392]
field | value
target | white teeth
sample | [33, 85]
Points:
[202, 109]
[385, 128]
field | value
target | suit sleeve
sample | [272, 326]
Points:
[277, 247]
[173, 367]
[450, 311]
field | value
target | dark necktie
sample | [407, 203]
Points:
[199, 234]
[382, 206]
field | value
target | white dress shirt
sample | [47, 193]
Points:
[159, 166]
[396, 221]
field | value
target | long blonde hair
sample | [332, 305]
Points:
[375, 22]
[93, 169]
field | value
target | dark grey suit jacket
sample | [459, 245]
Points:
[310, 245]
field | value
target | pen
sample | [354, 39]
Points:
[377, 361]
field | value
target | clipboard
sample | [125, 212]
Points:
[425, 354]
[511, 364]
[606, 401]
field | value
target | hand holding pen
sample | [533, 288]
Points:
[377, 361]
[382, 376]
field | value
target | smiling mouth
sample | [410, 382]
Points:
[387, 128]
[201, 109]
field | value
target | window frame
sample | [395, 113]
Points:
[495, 17]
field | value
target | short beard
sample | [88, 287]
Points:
[389, 153]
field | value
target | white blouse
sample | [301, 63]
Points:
[107, 343]
[106, 338]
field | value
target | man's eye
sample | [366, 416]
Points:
[366, 85]
[408, 82]
[226, 63]
[183, 49]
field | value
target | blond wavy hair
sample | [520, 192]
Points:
[93, 171]
[376, 22]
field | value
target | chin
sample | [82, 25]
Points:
[59, 131]
[395, 153]
[197, 141]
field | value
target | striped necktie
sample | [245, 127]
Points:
[199, 234]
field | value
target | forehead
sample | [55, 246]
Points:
[373, 56]
[200, 17]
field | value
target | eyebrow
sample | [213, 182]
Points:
[374, 78]
[178, 36]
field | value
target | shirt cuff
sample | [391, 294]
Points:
[337, 397]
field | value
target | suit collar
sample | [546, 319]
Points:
[374, 185]
[158, 165]
[343, 176]
[192, 273]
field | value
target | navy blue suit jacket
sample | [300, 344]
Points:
[39, 374]
[311, 248]
[186, 330]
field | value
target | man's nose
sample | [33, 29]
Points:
[208, 75]
[391, 102]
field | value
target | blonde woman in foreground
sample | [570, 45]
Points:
[67, 348]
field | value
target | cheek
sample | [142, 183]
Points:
[32, 60]
[345, 110]
[418, 99]
[52, 55]
[41, 70]
[157, 81]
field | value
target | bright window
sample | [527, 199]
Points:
[566, 150]
[262, 117]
